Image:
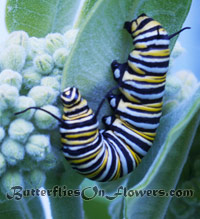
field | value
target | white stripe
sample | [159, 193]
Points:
[140, 124]
[134, 146]
[132, 112]
[108, 164]
[121, 155]
[149, 59]
[80, 129]
[144, 96]
[150, 69]
[131, 133]
[144, 86]
[150, 34]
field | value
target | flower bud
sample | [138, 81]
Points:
[31, 78]
[57, 73]
[25, 102]
[178, 50]
[36, 47]
[10, 77]
[20, 130]
[173, 87]
[2, 164]
[60, 56]
[28, 164]
[35, 179]
[43, 63]
[46, 121]
[50, 82]
[43, 95]
[188, 81]
[13, 57]
[2, 133]
[53, 42]
[169, 105]
[11, 179]
[50, 162]
[18, 38]
[5, 117]
[70, 37]
[8, 96]
[38, 146]
[13, 151]
[180, 86]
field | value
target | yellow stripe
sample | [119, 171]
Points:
[137, 132]
[150, 79]
[138, 70]
[147, 26]
[134, 154]
[145, 108]
[100, 168]
[129, 97]
[159, 105]
[85, 159]
[67, 99]
[117, 175]
[78, 142]
[80, 105]
[163, 52]
[79, 116]
[83, 134]
[153, 134]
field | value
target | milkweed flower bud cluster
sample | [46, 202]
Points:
[30, 75]
[179, 87]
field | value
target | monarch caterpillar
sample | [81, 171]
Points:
[105, 155]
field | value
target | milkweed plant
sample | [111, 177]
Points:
[39, 58]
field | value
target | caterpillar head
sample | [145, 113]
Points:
[133, 25]
[70, 97]
[143, 24]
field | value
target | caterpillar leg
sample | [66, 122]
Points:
[113, 100]
[118, 69]
[108, 120]
[127, 26]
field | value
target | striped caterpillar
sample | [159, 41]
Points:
[105, 155]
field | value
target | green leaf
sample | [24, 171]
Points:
[102, 39]
[86, 8]
[24, 209]
[162, 167]
[38, 18]
[65, 206]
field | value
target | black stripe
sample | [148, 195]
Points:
[77, 124]
[156, 57]
[76, 111]
[144, 90]
[112, 167]
[83, 150]
[155, 47]
[127, 156]
[143, 23]
[154, 37]
[79, 138]
[149, 30]
[137, 141]
[92, 168]
[74, 133]
[147, 73]
[163, 64]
